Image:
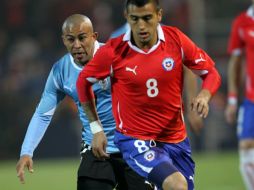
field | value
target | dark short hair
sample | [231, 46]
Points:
[141, 3]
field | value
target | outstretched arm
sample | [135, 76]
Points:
[38, 125]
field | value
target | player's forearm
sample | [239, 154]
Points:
[205, 94]
[91, 113]
[190, 84]
[35, 131]
[86, 97]
[234, 74]
[90, 110]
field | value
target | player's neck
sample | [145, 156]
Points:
[145, 46]
[81, 64]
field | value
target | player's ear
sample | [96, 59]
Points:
[63, 38]
[160, 11]
[125, 14]
[95, 35]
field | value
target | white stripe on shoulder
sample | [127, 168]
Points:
[50, 112]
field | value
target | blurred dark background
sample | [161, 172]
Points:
[30, 43]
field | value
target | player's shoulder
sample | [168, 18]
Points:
[171, 32]
[61, 63]
[241, 18]
[116, 42]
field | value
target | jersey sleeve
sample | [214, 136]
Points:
[43, 114]
[235, 43]
[97, 69]
[200, 63]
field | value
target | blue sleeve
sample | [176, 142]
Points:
[40, 121]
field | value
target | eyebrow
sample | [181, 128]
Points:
[81, 34]
[141, 16]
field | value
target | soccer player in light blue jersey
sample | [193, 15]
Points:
[93, 174]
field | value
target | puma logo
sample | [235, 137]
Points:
[132, 70]
[200, 59]
[68, 88]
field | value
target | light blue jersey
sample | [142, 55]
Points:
[61, 82]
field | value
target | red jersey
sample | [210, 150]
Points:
[147, 86]
[242, 40]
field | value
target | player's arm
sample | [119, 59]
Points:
[202, 65]
[235, 48]
[98, 68]
[38, 125]
[191, 90]
[234, 78]
[99, 142]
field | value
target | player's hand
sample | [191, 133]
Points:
[200, 105]
[195, 121]
[99, 145]
[230, 113]
[24, 161]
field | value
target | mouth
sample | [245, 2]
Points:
[78, 55]
[143, 35]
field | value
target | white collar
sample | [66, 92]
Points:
[127, 37]
[250, 11]
[96, 47]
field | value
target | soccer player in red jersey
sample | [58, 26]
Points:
[146, 69]
[241, 43]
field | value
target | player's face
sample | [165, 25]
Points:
[143, 22]
[79, 40]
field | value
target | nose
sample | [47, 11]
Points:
[141, 24]
[76, 43]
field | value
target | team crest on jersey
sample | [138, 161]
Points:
[149, 155]
[103, 84]
[168, 64]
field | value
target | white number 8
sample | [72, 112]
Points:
[152, 89]
[141, 145]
